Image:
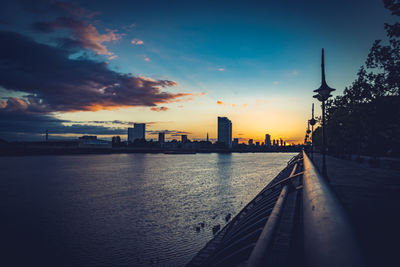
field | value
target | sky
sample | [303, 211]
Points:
[96, 67]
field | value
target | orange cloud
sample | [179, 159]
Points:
[220, 102]
[158, 109]
[137, 42]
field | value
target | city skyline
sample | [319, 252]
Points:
[178, 69]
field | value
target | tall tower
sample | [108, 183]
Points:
[161, 138]
[267, 140]
[207, 137]
[137, 132]
[225, 131]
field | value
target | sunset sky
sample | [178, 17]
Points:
[95, 67]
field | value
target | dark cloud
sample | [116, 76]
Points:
[53, 81]
[14, 125]
[58, 7]
[170, 132]
[73, 9]
[118, 122]
[83, 34]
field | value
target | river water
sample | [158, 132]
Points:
[122, 209]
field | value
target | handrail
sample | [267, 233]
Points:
[258, 254]
[329, 239]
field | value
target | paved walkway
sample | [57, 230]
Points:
[371, 197]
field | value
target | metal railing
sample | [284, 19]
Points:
[258, 255]
[325, 235]
[329, 239]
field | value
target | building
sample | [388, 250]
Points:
[207, 137]
[257, 143]
[267, 140]
[250, 142]
[137, 132]
[184, 138]
[161, 138]
[88, 141]
[235, 142]
[225, 131]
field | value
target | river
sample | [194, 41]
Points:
[123, 209]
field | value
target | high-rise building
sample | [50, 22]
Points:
[281, 142]
[161, 138]
[267, 140]
[207, 137]
[250, 142]
[184, 138]
[137, 132]
[225, 131]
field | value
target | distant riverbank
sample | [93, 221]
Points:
[27, 151]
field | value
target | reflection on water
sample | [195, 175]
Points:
[123, 209]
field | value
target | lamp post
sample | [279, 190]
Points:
[312, 122]
[323, 93]
[308, 143]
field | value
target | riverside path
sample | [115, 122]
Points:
[371, 198]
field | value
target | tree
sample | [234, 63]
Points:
[365, 120]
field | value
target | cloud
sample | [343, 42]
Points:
[231, 105]
[146, 58]
[276, 82]
[58, 7]
[73, 9]
[137, 42]
[295, 72]
[221, 69]
[170, 132]
[129, 27]
[158, 109]
[84, 35]
[18, 125]
[53, 82]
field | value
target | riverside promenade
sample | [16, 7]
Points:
[371, 198]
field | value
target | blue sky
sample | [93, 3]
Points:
[260, 59]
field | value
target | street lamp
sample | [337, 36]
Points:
[323, 93]
[307, 142]
[312, 123]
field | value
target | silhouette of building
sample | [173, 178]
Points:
[225, 131]
[184, 138]
[235, 142]
[137, 132]
[161, 138]
[207, 137]
[267, 140]
[257, 143]
[91, 141]
[281, 142]
[250, 142]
